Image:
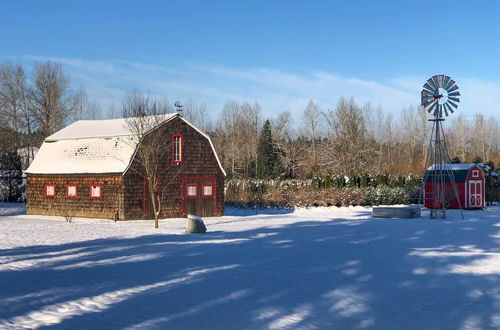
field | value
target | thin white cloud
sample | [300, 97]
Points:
[275, 90]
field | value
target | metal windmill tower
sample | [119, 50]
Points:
[440, 96]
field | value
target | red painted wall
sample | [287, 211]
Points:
[463, 192]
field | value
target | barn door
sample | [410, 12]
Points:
[475, 193]
[199, 196]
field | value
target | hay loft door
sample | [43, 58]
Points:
[199, 196]
[475, 193]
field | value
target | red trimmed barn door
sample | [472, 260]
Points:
[199, 196]
[475, 194]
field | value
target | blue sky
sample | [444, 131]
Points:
[278, 53]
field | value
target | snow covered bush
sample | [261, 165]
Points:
[386, 196]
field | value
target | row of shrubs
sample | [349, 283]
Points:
[367, 180]
[301, 193]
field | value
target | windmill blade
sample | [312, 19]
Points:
[452, 89]
[432, 83]
[456, 99]
[426, 98]
[454, 94]
[445, 110]
[432, 107]
[439, 81]
[435, 79]
[429, 88]
[427, 102]
[446, 81]
[449, 84]
[425, 92]
[453, 104]
[447, 106]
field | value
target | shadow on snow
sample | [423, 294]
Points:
[382, 274]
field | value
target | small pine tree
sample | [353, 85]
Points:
[266, 157]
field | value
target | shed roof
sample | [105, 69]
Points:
[459, 172]
[452, 167]
[93, 147]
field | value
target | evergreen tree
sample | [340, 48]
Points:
[266, 158]
[11, 180]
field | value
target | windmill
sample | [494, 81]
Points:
[440, 96]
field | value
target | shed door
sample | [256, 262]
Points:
[475, 193]
[199, 196]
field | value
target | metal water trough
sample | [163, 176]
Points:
[400, 212]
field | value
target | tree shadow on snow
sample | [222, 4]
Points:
[338, 274]
[12, 209]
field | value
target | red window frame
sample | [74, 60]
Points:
[46, 194]
[203, 190]
[180, 160]
[100, 191]
[196, 190]
[67, 190]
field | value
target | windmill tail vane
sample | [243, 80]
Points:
[440, 94]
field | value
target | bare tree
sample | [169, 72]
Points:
[226, 137]
[459, 137]
[113, 112]
[144, 118]
[312, 127]
[13, 99]
[349, 150]
[288, 144]
[51, 97]
[409, 136]
[85, 108]
[235, 137]
[197, 114]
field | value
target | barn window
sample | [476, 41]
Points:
[177, 148]
[191, 190]
[475, 173]
[95, 191]
[207, 190]
[71, 190]
[50, 190]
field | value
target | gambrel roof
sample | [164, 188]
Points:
[93, 146]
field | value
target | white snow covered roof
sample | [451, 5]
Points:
[452, 167]
[96, 128]
[90, 155]
[92, 146]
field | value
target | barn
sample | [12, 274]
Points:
[91, 169]
[469, 179]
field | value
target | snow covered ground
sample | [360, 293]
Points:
[323, 268]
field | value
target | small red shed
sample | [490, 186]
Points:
[469, 179]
